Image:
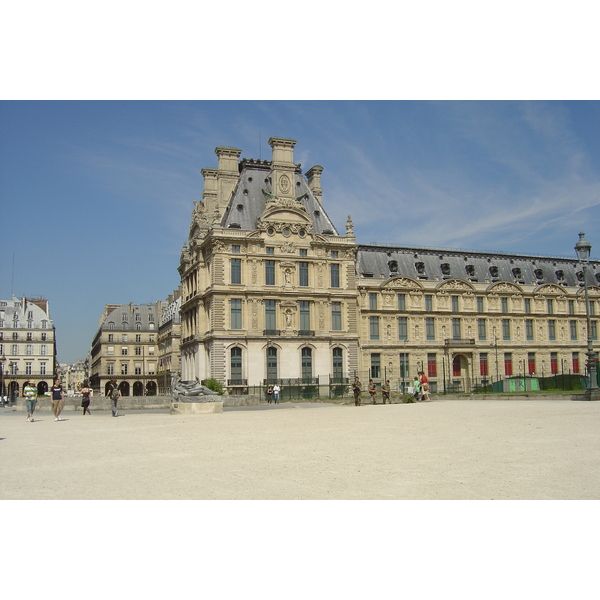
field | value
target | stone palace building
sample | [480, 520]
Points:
[271, 290]
[27, 345]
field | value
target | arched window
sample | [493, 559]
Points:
[236, 366]
[111, 325]
[138, 326]
[271, 364]
[306, 364]
[338, 364]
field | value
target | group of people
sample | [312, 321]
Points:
[420, 389]
[273, 392]
[57, 398]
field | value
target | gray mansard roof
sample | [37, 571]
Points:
[432, 265]
[248, 201]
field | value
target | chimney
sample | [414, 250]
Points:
[314, 182]
[283, 167]
[227, 174]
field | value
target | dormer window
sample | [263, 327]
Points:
[494, 271]
[445, 269]
[393, 266]
[539, 274]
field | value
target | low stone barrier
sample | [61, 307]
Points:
[133, 403]
[195, 408]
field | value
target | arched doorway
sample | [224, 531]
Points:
[461, 381]
[138, 388]
[151, 388]
[42, 388]
[124, 387]
[13, 391]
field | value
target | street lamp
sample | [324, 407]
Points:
[2, 363]
[583, 249]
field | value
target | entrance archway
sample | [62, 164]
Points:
[151, 388]
[138, 388]
[124, 387]
[460, 378]
[42, 388]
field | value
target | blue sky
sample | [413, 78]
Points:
[96, 195]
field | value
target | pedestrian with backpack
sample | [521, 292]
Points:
[114, 393]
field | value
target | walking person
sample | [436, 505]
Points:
[417, 389]
[385, 391]
[276, 391]
[424, 386]
[85, 398]
[372, 388]
[114, 393]
[356, 389]
[57, 399]
[30, 393]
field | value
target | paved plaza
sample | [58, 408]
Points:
[442, 450]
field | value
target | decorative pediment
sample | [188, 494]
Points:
[455, 285]
[505, 287]
[549, 288]
[402, 283]
[593, 291]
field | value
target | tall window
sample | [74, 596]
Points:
[235, 364]
[338, 364]
[28, 368]
[480, 304]
[373, 301]
[29, 351]
[335, 275]
[551, 329]
[269, 272]
[110, 368]
[430, 328]
[594, 330]
[336, 316]
[508, 370]
[456, 329]
[42, 368]
[404, 372]
[137, 368]
[527, 302]
[271, 364]
[236, 313]
[554, 362]
[236, 270]
[375, 366]
[504, 305]
[402, 328]
[428, 302]
[402, 302]
[481, 329]
[304, 315]
[124, 368]
[571, 307]
[14, 350]
[531, 363]
[138, 350]
[483, 364]
[592, 306]
[374, 328]
[550, 306]
[573, 328]
[123, 350]
[270, 250]
[506, 329]
[529, 329]
[455, 307]
[235, 249]
[306, 363]
[575, 359]
[43, 350]
[303, 274]
[270, 317]
[431, 365]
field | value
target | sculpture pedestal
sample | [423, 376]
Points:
[196, 408]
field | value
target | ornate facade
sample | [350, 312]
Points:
[270, 290]
[126, 348]
[27, 345]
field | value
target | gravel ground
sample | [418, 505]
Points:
[439, 450]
